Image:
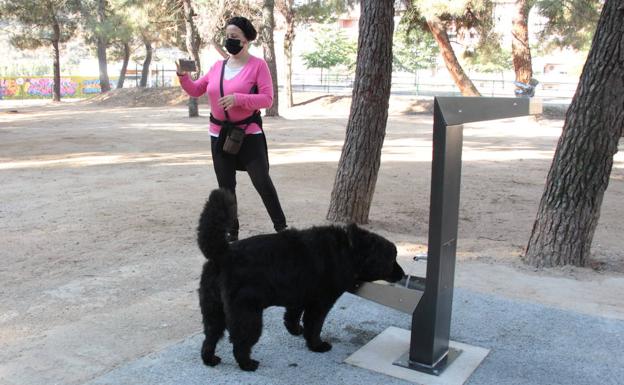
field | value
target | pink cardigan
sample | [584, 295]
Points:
[254, 72]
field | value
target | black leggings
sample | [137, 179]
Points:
[253, 157]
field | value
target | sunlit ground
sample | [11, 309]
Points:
[505, 140]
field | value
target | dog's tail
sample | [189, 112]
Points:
[218, 215]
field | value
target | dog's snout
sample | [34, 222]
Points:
[397, 273]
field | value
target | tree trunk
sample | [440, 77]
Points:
[124, 66]
[193, 42]
[56, 57]
[219, 49]
[579, 175]
[102, 62]
[219, 13]
[520, 49]
[438, 29]
[356, 176]
[146, 63]
[101, 43]
[269, 52]
[289, 38]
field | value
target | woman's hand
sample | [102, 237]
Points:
[227, 102]
[179, 70]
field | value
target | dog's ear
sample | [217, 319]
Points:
[357, 253]
[360, 244]
[353, 234]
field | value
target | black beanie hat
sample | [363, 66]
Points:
[245, 25]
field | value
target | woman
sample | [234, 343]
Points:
[239, 75]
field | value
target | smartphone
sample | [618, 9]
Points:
[187, 65]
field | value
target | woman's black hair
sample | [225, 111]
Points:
[245, 25]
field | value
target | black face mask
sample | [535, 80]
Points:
[233, 46]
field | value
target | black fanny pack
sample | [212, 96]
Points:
[234, 140]
[232, 136]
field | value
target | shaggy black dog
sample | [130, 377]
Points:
[305, 271]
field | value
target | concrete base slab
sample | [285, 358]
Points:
[380, 354]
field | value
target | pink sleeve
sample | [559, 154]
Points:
[194, 88]
[264, 97]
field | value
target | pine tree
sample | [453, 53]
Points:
[358, 167]
[193, 43]
[458, 15]
[304, 13]
[568, 25]
[41, 23]
[268, 45]
[579, 175]
[100, 27]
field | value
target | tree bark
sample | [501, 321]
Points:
[146, 63]
[289, 38]
[358, 167]
[101, 43]
[520, 49]
[102, 62]
[56, 57]
[219, 49]
[579, 175]
[124, 66]
[463, 82]
[213, 35]
[193, 42]
[268, 46]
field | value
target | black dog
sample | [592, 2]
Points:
[305, 271]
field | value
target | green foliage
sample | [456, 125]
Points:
[461, 13]
[115, 27]
[124, 33]
[570, 23]
[25, 39]
[31, 69]
[454, 8]
[33, 21]
[129, 20]
[214, 14]
[461, 18]
[165, 22]
[331, 48]
[95, 28]
[489, 58]
[321, 11]
[486, 54]
[413, 49]
[37, 62]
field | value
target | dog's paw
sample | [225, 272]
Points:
[208, 356]
[211, 360]
[320, 348]
[294, 328]
[249, 365]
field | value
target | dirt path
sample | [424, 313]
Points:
[98, 208]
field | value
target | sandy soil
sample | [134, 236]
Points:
[99, 203]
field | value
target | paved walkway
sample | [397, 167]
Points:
[530, 344]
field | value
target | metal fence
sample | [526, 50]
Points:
[408, 84]
[27, 87]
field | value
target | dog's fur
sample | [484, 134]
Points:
[305, 271]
